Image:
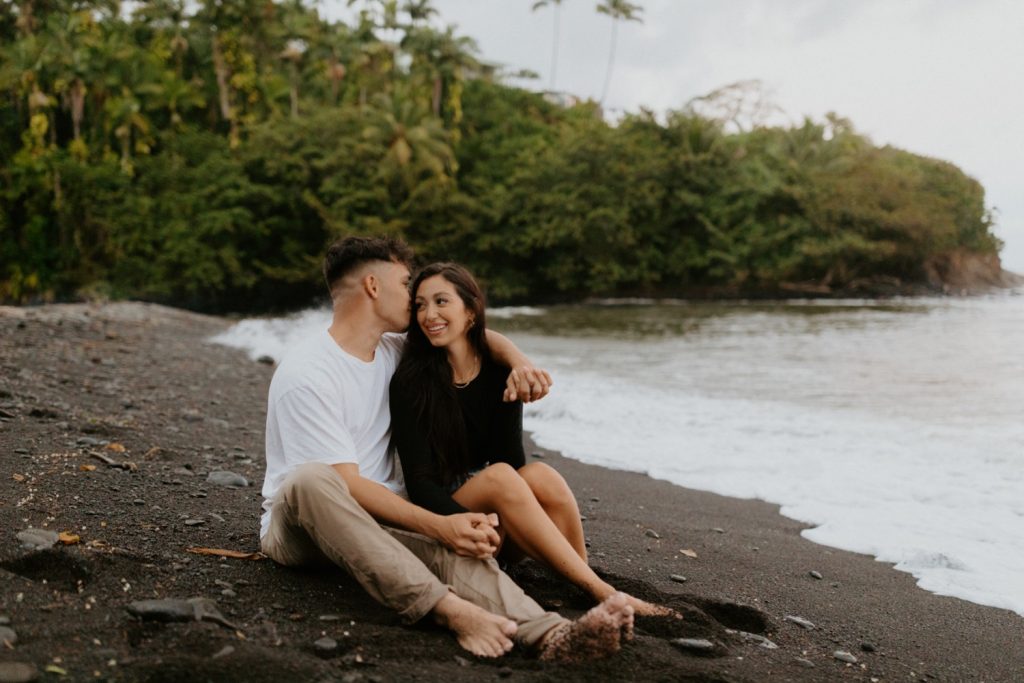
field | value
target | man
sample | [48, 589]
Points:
[331, 482]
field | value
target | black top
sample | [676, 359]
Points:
[494, 433]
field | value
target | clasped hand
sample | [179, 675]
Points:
[472, 534]
[526, 383]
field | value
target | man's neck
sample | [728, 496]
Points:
[357, 334]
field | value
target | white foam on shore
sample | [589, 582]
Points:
[896, 433]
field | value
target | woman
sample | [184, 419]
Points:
[461, 446]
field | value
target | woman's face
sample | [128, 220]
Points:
[440, 311]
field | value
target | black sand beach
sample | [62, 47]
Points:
[113, 416]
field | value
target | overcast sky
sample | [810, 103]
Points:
[943, 78]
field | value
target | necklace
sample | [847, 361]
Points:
[472, 375]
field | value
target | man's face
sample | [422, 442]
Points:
[394, 295]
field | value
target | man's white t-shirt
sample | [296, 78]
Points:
[328, 406]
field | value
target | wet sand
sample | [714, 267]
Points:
[112, 417]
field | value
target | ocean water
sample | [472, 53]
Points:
[895, 428]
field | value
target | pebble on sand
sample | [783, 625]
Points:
[18, 672]
[815, 575]
[694, 644]
[799, 621]
[225, 478]
[806, 663]
[325, 646]
[38, 539]
[678, 578]
[651, 533]
[844, 656]
[7, 636]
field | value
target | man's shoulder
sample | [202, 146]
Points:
[304, 365]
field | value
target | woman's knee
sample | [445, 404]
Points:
[547, 484]
[503, 482]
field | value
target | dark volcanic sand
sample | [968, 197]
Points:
[75, 379]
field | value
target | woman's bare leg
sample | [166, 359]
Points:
[500, 489]
[555, 496]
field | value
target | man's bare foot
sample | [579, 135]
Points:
[598, 633]
[477, 630]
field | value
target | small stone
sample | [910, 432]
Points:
[867, 647]
[805, 663]
[462, 661]
[799, 621]
[225, 478]
[583, 518]
[265, 360]
[844, 656]
[38, 539]
[228, 593]
[330, 617]
[7, 636]
[195, 522]
[815, 575]
[504, 672]
[325, 646]
[18, 672]
[5, 621]
[223, 652]
[166, 609]
[757, 638]
[718, 530]
[90, 441]
[595, 499]
[538, 455]
[651, 533]
[678, 578]
[191, 416]
[694, 644]
[138, 501]
[21, 451]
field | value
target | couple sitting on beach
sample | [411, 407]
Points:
[335, 493]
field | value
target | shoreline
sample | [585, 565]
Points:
[80, 379]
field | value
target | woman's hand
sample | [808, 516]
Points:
[526, 383]
[472, 534]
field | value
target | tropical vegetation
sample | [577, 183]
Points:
[205, 153]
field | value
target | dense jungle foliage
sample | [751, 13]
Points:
[204, 154]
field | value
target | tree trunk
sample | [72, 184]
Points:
[223, 75]
[611, 61]
[436, 99]
[77, 106]
[554, 50]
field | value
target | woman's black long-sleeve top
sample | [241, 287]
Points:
[494, 433]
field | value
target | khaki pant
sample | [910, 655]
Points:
[314, 519]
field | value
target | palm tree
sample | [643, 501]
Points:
[616, 9]
[556, 38]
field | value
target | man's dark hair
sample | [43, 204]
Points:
[349, 253]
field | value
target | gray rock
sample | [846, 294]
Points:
[595, 499]
[816, 575]
[138, 501]
[868, 647]
[651, 533]
[5, 621]
[38, 539]
[462, 661]
[718, 530]
[228, 593]
[21, 451]
[325, 646]
[18, 672]
[805, 663]
[694, 644]
[265, 360]
[844, 656]
[217, 422]
[757, 638]
[91, 441]
[330, 617]
[195, 522]
[799, 621]
[538, 455]
[225, 478]
[223, 652]
[7, 636]
[165, 609]
[678, 578]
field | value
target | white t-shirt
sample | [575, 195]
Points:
[328, 406]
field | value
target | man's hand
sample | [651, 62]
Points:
[526, 383]
[471, 534]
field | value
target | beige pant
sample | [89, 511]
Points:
[314, 519]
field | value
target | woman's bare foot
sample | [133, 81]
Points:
[649, 609]
[598, 633]
[477, 630]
